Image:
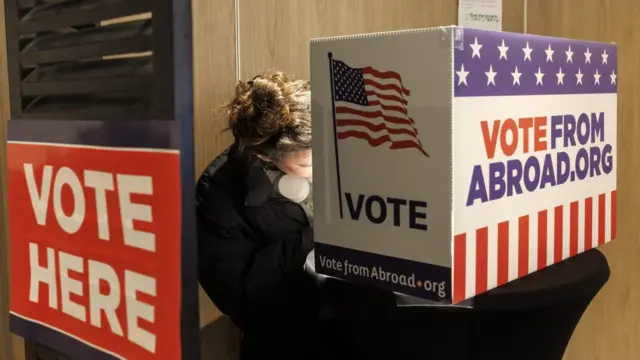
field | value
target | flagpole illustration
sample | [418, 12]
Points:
[335, 132]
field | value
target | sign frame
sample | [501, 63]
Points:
[168, 123]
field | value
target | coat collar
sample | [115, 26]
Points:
[258, 184]
[259, 187]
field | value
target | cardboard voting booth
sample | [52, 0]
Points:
[449, 161]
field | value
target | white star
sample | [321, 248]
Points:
[587, 57]
[596, 78]
[569, 55]
[539, 75]
[560, 76]
[613, 77]
[527, 52]
[579, 76]
[516, 76]
[462, 75]
[491, 76]
[605, 56]
[549, 52]
[476, 48]
[503, 50]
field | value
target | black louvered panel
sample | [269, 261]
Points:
[127, 38]
[117, 105]
[69, 59]
[89, 77]
[52, 15]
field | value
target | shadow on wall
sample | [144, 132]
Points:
[220, 340]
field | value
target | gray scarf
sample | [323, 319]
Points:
[296, 189]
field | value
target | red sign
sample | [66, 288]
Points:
[95, 245]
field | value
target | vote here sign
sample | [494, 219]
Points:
[95, 246]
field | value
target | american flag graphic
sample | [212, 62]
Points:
[493, 256]
[371, 105]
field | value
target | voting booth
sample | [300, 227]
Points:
[450, 161]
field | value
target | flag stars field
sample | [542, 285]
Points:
[503, 50]
[539, 76]
[527, 52]
[516, 76]
[569, 55]
[491, 76]
[549, 53]
[613, 77]
[579, 76]
[462, 75]
[596, 77]
[488, 66]
[587, 56]
[605, 57]
[560, 76]
[476, 49]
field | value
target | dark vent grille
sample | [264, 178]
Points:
[90, 59]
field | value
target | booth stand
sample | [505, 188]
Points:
[532, 318]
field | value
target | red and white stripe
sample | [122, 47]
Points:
[492, 256]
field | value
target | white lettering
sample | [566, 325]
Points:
[107, 303]
[45, 275]
[329, 263]
[39, 199]
[70, 286]
[100, 182]
[97, 300]
[134, 184]
[134, 283]
[70, 224]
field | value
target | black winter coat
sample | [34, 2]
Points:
[252, 246]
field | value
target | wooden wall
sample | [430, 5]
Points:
[611, 327]
[274, 34]
[215, 78]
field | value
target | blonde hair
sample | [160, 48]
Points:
[271, 115]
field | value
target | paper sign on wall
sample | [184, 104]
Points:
[480, 14]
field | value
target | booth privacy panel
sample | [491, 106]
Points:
[449, 161]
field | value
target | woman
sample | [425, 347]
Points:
[254, 229]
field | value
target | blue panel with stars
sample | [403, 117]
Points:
[489, 63]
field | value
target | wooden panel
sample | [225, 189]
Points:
[609, 329]
[513, 15]
[276, 33]
[214, 68]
